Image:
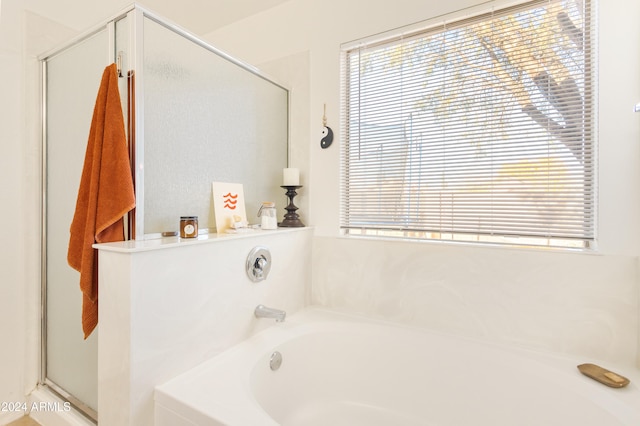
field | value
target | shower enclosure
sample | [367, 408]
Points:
[194, 116]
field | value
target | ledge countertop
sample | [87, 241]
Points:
[131, 246]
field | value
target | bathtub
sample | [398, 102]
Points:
[338, 369]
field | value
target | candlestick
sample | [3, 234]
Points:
[291, 219]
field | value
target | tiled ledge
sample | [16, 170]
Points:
[132, 246]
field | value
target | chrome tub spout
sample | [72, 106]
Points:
[262, 311]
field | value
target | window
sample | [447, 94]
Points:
[478, 130]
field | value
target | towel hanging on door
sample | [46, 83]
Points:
[105, 194]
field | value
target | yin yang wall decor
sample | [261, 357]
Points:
[327, 137]
[327, 133]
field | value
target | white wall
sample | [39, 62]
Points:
[157, 322]
[12, 309]
[548, 300]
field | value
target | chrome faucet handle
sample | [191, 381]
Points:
[258, 267]
[258, 264]
[261, 262]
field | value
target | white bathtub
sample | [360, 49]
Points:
[343, 370]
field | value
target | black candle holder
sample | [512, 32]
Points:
[291, 219]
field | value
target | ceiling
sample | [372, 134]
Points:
[196, 16]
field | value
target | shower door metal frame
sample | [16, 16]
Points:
[109, 25]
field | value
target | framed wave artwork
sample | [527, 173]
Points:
[228, 205]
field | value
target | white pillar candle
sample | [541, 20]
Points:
[290, 177]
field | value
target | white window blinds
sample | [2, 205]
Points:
[479, 130]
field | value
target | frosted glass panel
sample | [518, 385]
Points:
[206, 119]
[73, 78]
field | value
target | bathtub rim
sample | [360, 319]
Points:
[170, 395]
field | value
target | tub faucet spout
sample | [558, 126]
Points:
[262, 311]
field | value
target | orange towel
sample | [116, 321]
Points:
[105, 195]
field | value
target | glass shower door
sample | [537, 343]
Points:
[72, 81]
